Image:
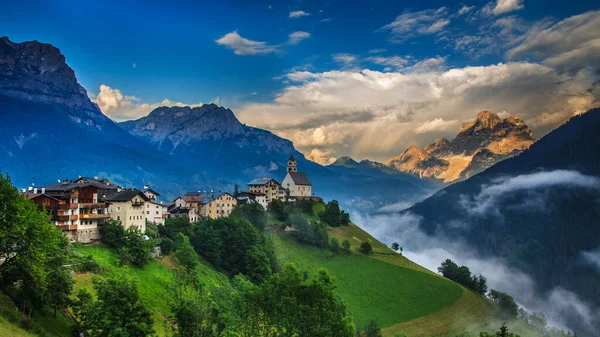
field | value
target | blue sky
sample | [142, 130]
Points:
[242, 55]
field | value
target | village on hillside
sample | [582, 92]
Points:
[78, 207]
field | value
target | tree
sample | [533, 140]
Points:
[117, 311]
[503, 332]
[395, 246]
[480, 284]
[278, 209]
[507, 305]
[113, 234]
[332, 215]
[60, 286]
[32, 249]
[253, 212]
[372, 329]
[334, 246]
[287, 301]
[234, 246]
[344, 218]
[366, 248]
[139, 247]
[176, 225]
[185, 252]
[346, 246]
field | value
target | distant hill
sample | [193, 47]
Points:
[539, 211]
[478, 145]
[50, 130]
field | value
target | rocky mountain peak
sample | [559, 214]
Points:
[345, 161]
[438, 146]
[38, 72]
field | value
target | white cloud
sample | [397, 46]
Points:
[429, 251]
[465, 9]
[377, 51]
[134, 66]
[488, 199]
[320, 156]
[411, 24]
[326, 20]
[298, 14]
[505, 6]
[243, 46]
[346, 59]
[396, 62]
[592, 257]
[296, 37]
[570, 44]
[436, 125]
[374, 114]
[119, 107]
[270, 6]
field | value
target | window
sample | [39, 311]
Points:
[119, 209]
[147, 206]
[156, 212]
[118, 217]
[147, 212]
[130, 217]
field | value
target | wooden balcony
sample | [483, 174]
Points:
[74, 195]
[67, 227]
[67, 206]
[94, 216]
[67, 217]
[92, 205]
[137, 203]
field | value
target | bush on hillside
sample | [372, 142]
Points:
[462, 275]
[278, 304]
[185, 252]
[332, 214]
[132, 246]
[253, 212]
[117, 311]
[508, 308]
[311, 233]
[346, 246]
[174, 226]
[366, 247]
[234, 246]
[371, 329]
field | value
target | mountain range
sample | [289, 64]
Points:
[479, 144]
[538, 211]
[50, 130]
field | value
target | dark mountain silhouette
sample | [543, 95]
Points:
[539, 211]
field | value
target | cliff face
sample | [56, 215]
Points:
[38, 72]
[478, 145]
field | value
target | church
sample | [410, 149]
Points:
[295, 182]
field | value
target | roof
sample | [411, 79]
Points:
[292, 158]
[31, 195]
[192, 198]
[125, 195]
[299, 178]
[156, 202]
[208, 197]
[262, 181]
[104, 184]
[151, 191]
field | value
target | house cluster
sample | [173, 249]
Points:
[78, 207]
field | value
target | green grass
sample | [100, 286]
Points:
[155, 281]
[8, 329]
[373, 289]
[42, 322]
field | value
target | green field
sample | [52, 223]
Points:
[373, 289]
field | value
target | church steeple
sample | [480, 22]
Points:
[292, 166]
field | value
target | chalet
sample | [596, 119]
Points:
[75, 208]
[267, 186]
[216, 205]
[128, 207]
[296, 182]
[247, 197]
[150, 193]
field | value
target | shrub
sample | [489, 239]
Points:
[366, 247]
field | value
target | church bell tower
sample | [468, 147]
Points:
[292, 166]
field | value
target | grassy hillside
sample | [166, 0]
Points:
[155, 280]
[41, 324]
[400, 294]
